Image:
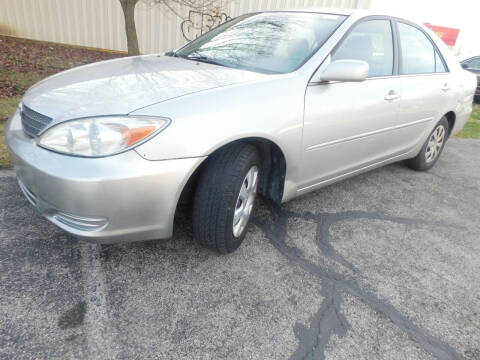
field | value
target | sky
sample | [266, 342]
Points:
[460, 14]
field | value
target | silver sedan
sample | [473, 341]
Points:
[276, 103]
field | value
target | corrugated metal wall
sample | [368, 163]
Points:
[99, 23]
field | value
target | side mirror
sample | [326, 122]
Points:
[465, 66]
[345, 70]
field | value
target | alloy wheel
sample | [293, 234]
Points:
[435, 144]
[245, 201]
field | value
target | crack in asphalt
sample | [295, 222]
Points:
[329, 319]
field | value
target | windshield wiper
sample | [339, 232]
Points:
[201, 58]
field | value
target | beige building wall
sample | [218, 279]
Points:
[100, 24]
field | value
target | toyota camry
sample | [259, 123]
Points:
[275, 103]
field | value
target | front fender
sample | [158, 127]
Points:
[271, 109]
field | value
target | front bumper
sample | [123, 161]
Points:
[121, 198]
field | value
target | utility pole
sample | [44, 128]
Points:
[357, 4]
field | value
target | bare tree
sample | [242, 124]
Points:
[128, 7]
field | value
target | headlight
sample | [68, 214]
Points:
[101, 136]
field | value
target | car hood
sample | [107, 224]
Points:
[123, 85]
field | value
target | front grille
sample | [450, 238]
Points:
[33, 122]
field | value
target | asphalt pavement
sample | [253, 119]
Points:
[385, 265]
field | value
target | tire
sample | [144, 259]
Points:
[217, 197]
[427, 157]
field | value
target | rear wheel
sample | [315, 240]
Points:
[432, 149]
[225, 197]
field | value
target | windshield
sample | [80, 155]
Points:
[275, 42]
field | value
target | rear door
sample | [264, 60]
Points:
[427, 85]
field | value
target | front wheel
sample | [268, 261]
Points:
[225, 197]
[432, 149]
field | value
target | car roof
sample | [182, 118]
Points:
[358, 13]
[333, 11]
[470, 57]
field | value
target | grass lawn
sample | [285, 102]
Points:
[4, 157]
[7, 107]
[472, 128]
[24, 63]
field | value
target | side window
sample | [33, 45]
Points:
[418, 55]
[370, 41]
[439, 65]
[474, 64]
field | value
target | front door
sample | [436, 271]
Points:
[349, 126]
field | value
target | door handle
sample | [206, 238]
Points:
[392, 96]
[446, 88]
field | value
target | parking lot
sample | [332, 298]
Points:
[385, 265]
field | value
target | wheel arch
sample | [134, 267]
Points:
[274, 170]
[451, 117]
